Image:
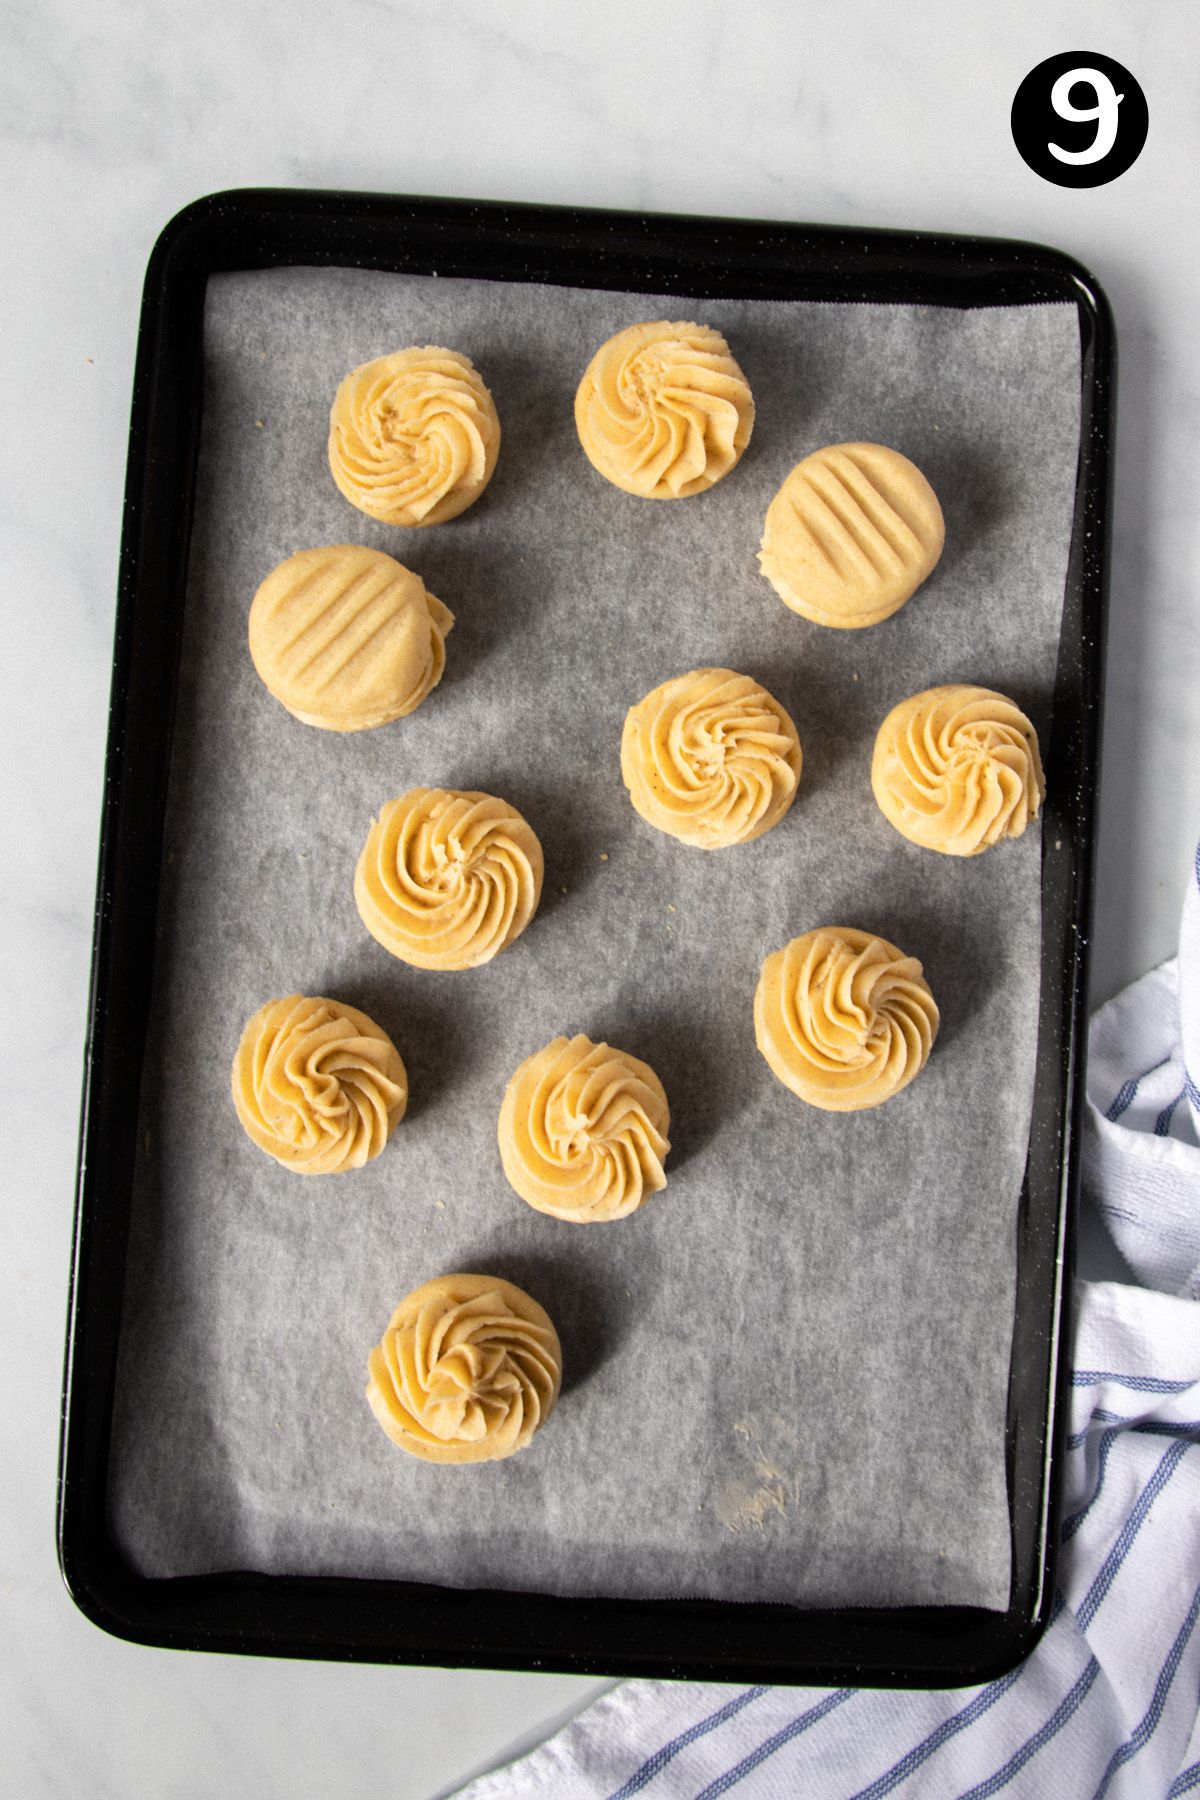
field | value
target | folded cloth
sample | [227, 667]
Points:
[1142, 1132]
[1107, 1703]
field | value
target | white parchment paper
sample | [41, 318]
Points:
[786, 1375]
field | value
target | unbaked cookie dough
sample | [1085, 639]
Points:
[347, 638]
[413, 437]
[844, 1019]
[468, 1369]
[851, 535]
[447, 879]
[957, 769]
[317, 1084]
[711, 758]
[663, 410]
[583, 1131]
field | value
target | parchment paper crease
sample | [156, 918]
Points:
[785, 1376]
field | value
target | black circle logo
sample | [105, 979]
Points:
[1079, 119]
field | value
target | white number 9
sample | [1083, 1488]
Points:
[1104, 112]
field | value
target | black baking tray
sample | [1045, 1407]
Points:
[406, 1622]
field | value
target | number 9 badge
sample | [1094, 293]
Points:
[1079, 119]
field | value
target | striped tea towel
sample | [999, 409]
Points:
[1142, 1139]
[1107, 1704]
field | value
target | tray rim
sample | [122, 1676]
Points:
[392, 1621]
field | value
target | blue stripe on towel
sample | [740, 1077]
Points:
[1140, 1384]
[1183, 1428]
[988, 1696]
[1162, 1124]
[1129, 1530]
[1124, 1098]
[949, 1728]
[975, 1709]
[1143, 1731]
[1149, 1427]
[1128, 1089]
[650, 1768]
[1101, 1415]
[1071, 1525]
[1185, 1781]
[1066, 1708]
[784, 1735]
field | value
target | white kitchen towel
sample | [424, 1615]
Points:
[1142, 1133]
[1107, 1705]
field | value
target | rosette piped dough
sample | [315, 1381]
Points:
[447, 880]
[844, 1019]
[413, 437]
[851, 535]
[347, 638]
[468, 1369]
[663, 410]
[317, 1084]
[957, 769]
[583, 1131]
[711, 758]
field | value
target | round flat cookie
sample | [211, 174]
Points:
[347, 638]
[851, 535]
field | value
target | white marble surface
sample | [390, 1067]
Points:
[111, 118]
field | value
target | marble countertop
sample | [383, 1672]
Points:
[849, 111]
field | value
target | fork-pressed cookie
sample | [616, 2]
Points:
[347, 638]
[851, 535]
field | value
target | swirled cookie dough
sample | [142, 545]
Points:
[317, 1084]
[347, 638]
[413, 437]
[583, 1131]
[663, 410]
[843, 1018]
[447, 879]
[468, 1369]
[851, 535]
[957, 769]
[711, 758]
